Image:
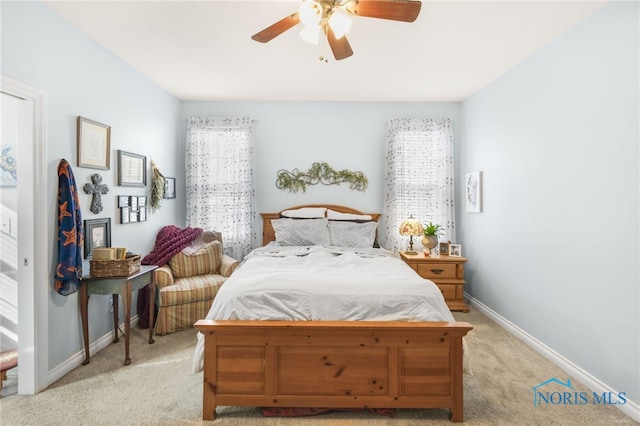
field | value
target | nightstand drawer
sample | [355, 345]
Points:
[447, 272]
[434, 270]
[448, 291]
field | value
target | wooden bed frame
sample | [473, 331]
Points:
[336, 364]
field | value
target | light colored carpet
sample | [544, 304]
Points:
[158, 388]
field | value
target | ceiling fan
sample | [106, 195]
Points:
[332, 18]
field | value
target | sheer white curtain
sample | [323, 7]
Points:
[419, 177]
[220, 182]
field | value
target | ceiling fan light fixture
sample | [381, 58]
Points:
[340, 24]
[311, 34]
[330, 19]
[310, 12]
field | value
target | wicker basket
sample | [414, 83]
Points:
[115, 268]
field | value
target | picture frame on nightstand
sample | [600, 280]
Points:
[455, 250]
[443, 249]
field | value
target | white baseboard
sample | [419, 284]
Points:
[631, 408]
[75, 360]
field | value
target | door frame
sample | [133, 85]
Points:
[33, 246]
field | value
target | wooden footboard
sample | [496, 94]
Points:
[338, 364]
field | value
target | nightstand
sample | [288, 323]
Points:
[447, 272]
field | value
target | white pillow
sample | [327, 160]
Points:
[305, 213]
[301, 232]
[352, 234]
[334, 215]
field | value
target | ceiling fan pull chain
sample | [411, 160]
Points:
[324, 47]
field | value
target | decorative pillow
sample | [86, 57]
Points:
[204, 261]
[334, 215]
[305, 213]
[352, 234]
[309, 232]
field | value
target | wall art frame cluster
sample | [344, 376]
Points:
[133, 208]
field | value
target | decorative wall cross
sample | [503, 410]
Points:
[97, 188]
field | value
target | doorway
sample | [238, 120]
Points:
[10, 107]
[30, 260]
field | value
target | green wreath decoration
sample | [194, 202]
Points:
[320, 173]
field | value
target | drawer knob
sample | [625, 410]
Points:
[437, 271]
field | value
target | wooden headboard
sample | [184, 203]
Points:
[268, 234]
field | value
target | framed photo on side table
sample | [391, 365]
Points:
[97, 233]
[132, 169]
[455, 250]
[94, 140]
[443, 249]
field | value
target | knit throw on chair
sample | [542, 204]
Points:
[169, 242]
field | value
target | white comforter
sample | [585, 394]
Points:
[324, 283]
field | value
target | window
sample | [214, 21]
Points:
[219, 181]
[419, 177]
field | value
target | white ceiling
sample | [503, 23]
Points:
[202, 50]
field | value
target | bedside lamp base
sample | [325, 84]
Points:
[411, 251]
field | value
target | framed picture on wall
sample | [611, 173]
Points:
[169, 187]
[125, 212]
[123, 201]
[132, 169]
[8, 166]
[94, 140]
[97, 233]
[473, 192]
[133, 202]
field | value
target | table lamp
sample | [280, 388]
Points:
[411, 227]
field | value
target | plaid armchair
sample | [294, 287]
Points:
[187, 285]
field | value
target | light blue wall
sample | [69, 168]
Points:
[291, 135]
[82, 78]
[556, 249]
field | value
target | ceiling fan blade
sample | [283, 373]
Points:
[339, 46]
[276, 29]
[402, 10]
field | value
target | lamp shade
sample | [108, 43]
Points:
[310, 34]
[411, 227]
[340, 24]
[310, 12]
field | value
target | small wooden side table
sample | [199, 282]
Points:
[116, 286]
[447, 272]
